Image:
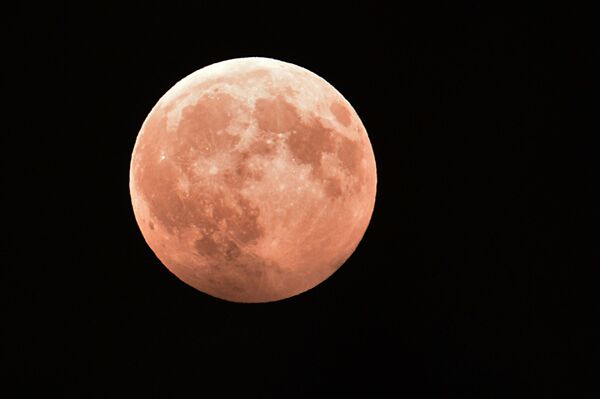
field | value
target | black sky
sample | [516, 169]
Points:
[476, 278]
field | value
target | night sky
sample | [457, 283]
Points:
[477, 277]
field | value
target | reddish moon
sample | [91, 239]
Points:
[253, 180]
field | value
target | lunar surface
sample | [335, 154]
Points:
[253, 180]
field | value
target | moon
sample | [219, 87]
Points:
[252, 180]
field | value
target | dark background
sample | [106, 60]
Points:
[477, 276]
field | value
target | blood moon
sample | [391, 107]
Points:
[253, 180]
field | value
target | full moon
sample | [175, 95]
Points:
[252, 180]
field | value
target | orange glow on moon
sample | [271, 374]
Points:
[253, 180]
